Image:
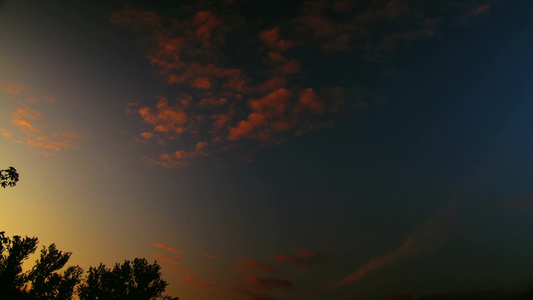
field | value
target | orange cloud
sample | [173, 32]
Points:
[26, 112]
[271, 38]
[247, 264]
[170, 262]
[229, 107]
[25, 126]
[165, 119]
[206, 255]
[146, 135]
[481, 9]
[218, 89]
[36, 131]
[305, 259]
[12, 87]
[276, 56]
[44, 143]
[212, 102]
[189, 279]
[178, 158]
[220, 120]
[201, 83]
[246, 126]
[309, 99]
[274, 104]
[290, 67]
[431, 235]
[167, 247]
[205, 21]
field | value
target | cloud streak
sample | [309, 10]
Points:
[13, 88]
[247, 265]
[303, 259]
[174, 262]
[431, 235]
[525, 200]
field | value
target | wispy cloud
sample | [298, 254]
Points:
[167, 247]
[303, 259]
[175, 260]
[431, 235]
[33, 127]
[206, 255]
[169, 261]
[525, 200]
[247, 265]
[196, 282]
[12, 87]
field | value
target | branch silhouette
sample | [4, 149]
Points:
[9, 177]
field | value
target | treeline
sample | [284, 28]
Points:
[48, 279]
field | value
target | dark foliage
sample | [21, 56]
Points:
[9, 177]
[43, 281]
[136, 280]
[132, 280]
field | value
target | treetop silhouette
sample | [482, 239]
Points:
[137, 280]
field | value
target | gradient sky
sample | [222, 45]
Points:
[320, 149]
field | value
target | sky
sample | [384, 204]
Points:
[317, 149]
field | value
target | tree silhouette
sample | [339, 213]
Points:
[11, 277]
[9, 177]
[46, 283]
[137, 280]
[43, 281]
